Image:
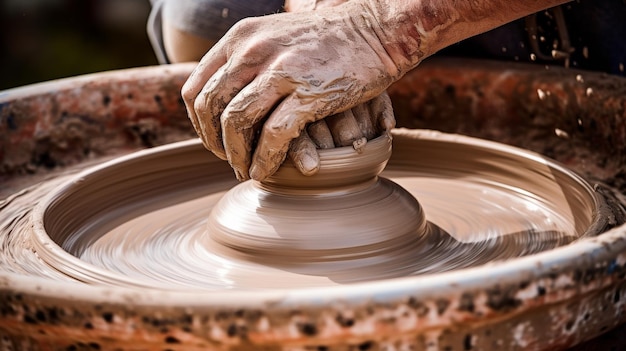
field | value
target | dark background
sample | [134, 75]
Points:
[47, 39]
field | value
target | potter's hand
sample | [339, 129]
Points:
[271, 76]
[351, 127]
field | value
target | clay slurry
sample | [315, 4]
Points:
[481, 202]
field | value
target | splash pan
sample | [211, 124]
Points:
[117, 257]
[153, 219]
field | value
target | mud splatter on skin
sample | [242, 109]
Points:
[411, 31]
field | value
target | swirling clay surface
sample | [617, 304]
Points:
[146, 220]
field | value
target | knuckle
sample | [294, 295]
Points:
[258, 51]
[188, 93]
[199, 104]
[232, 121]
[273, 135]
[271, 131]
[280, 131]
[245, 27]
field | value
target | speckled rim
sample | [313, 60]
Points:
[609, 248]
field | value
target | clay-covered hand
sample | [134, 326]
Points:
[258, 87]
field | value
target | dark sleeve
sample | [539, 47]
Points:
[155, 32]
[209, 19]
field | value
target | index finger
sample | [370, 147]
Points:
[206, 68]
[283, 125]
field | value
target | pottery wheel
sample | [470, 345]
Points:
[174, 217]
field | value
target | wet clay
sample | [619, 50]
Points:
[146, 219]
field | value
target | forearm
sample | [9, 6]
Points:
[410, 30]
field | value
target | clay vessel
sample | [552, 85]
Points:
[345, 220]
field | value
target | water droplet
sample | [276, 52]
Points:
[579, 78]
[533, 57]
[559, 55]
[589, 91]
[561, 133]
[225, 12]
[542, 38]
[621, 67]
[541, 94]
[503, 49]
[586, 52]
[580, 122]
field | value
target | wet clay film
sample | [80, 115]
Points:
[175, 217]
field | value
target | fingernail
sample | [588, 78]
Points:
[256, 173]
[389, 124]
[308, 164]
[240, 174]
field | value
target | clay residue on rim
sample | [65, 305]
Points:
[168, 241]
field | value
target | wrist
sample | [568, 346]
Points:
[398, 31]
[411, 30]
[365, 22]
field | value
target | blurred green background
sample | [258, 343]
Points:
[47, 39]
